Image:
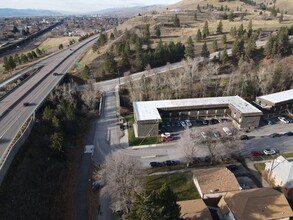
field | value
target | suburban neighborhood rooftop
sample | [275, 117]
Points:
[148, 110]
[216, 180]
[194, 209]
[259, 203]
[278, 97]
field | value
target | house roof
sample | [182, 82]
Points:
[216, 180]
[282, 168]
[148, 110]
[258, 204]
[194, 210]
[278, 97]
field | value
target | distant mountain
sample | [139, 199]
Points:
[11, 12]
[129, 11]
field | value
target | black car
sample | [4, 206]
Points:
[273, 135]
[289, 133]
[205, 122]
[214, 121]
[169, 162]
[244, 137]
[156, 164]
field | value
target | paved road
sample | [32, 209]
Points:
[34, 91]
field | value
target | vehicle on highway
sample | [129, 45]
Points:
[227, 131]
[25, 104]
[156, 164]
[188, 123]
[256, 153]
[244, 137]
[167, 138]
[284, 120]
[55, 74]
[166, 134]
[183, 124]
[169, 163]
[273, 135]
[269, 151]
[232, 167]
[289, 133]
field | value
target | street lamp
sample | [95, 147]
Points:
[118, 73]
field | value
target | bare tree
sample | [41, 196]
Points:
[189, 145]
[120, 175]
[90, 97]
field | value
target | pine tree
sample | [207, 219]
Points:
[249, 29]
[198, 8]
[231, 16]
[39, 52]
[281, 18]
[60, 46]
[147, 35]
[195, 16]
[220, 28]
[86, 72]
[198, 36]
[238, 48]
[110, 64]
[158, 31]
[189, 49]
[224, 56]
[176, 21]
[6, 64]
[224, 39]
[112, 37]
[205, 30]
[215, 45]
[204, 51]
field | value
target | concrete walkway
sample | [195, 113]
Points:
[255, 173]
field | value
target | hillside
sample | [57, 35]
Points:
[285, 5]
[11, 12]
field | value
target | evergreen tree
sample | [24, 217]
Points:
[176, 21]
[39, 52]
[127, 49]
[240, 31]
[147, 35]
[224, 39]
[158, 31]
[110, 64]
[281, 18]
[23, 58]
[220, 28]
[86, 72]
[6, 64]
[204, 51]
[198, 36]
[249, 29]
[112, 37]
[224, 56]
[231, 16]
[198, 8]
[138, 47]
[57, 143]
[125, 60]
[215, 45]
[195, 16]
[205, 30]
[238, 48]
[249, 49]
[139, 62]
[189, 49]
[60, 46]
[48, 114]
[34, 54]
[159, 204]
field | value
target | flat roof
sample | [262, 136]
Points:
[258, 204]
[216, 180]
[278, 97]
[148, 110]
[194, 210]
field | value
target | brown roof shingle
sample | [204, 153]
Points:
[194, 210]
[216, 180]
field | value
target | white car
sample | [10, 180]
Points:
[204, 134]
[227, 131]
[269, 151]
[188, 123]
[284, 120]
[182, 123]
[166, 134]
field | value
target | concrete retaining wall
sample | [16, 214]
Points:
[13, 149]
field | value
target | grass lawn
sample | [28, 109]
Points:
[181, 183]
[260, 167]
[133, 141]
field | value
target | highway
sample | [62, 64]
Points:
[34, 91]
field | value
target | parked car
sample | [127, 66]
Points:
[284, 120]
[273, 135]
[25, 104]
[256, 153]
[168, 124]
[167, 138]
[269, 151]
[232, 167]
[182, 123]
[204, 134]
[216, 134]
[178, 124]
[227, 131]
[244, 137]
[166, 134]
[214, 121]
[156, 164]
[205, 122]
[289, 133]
[268, 121]
[169, 162]
[188, 123]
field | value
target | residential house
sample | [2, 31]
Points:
[255, 204]
[280, 171]
[194, 210]
[215, 182]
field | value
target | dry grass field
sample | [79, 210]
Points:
[52, 44]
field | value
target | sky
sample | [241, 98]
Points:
[78, 5]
